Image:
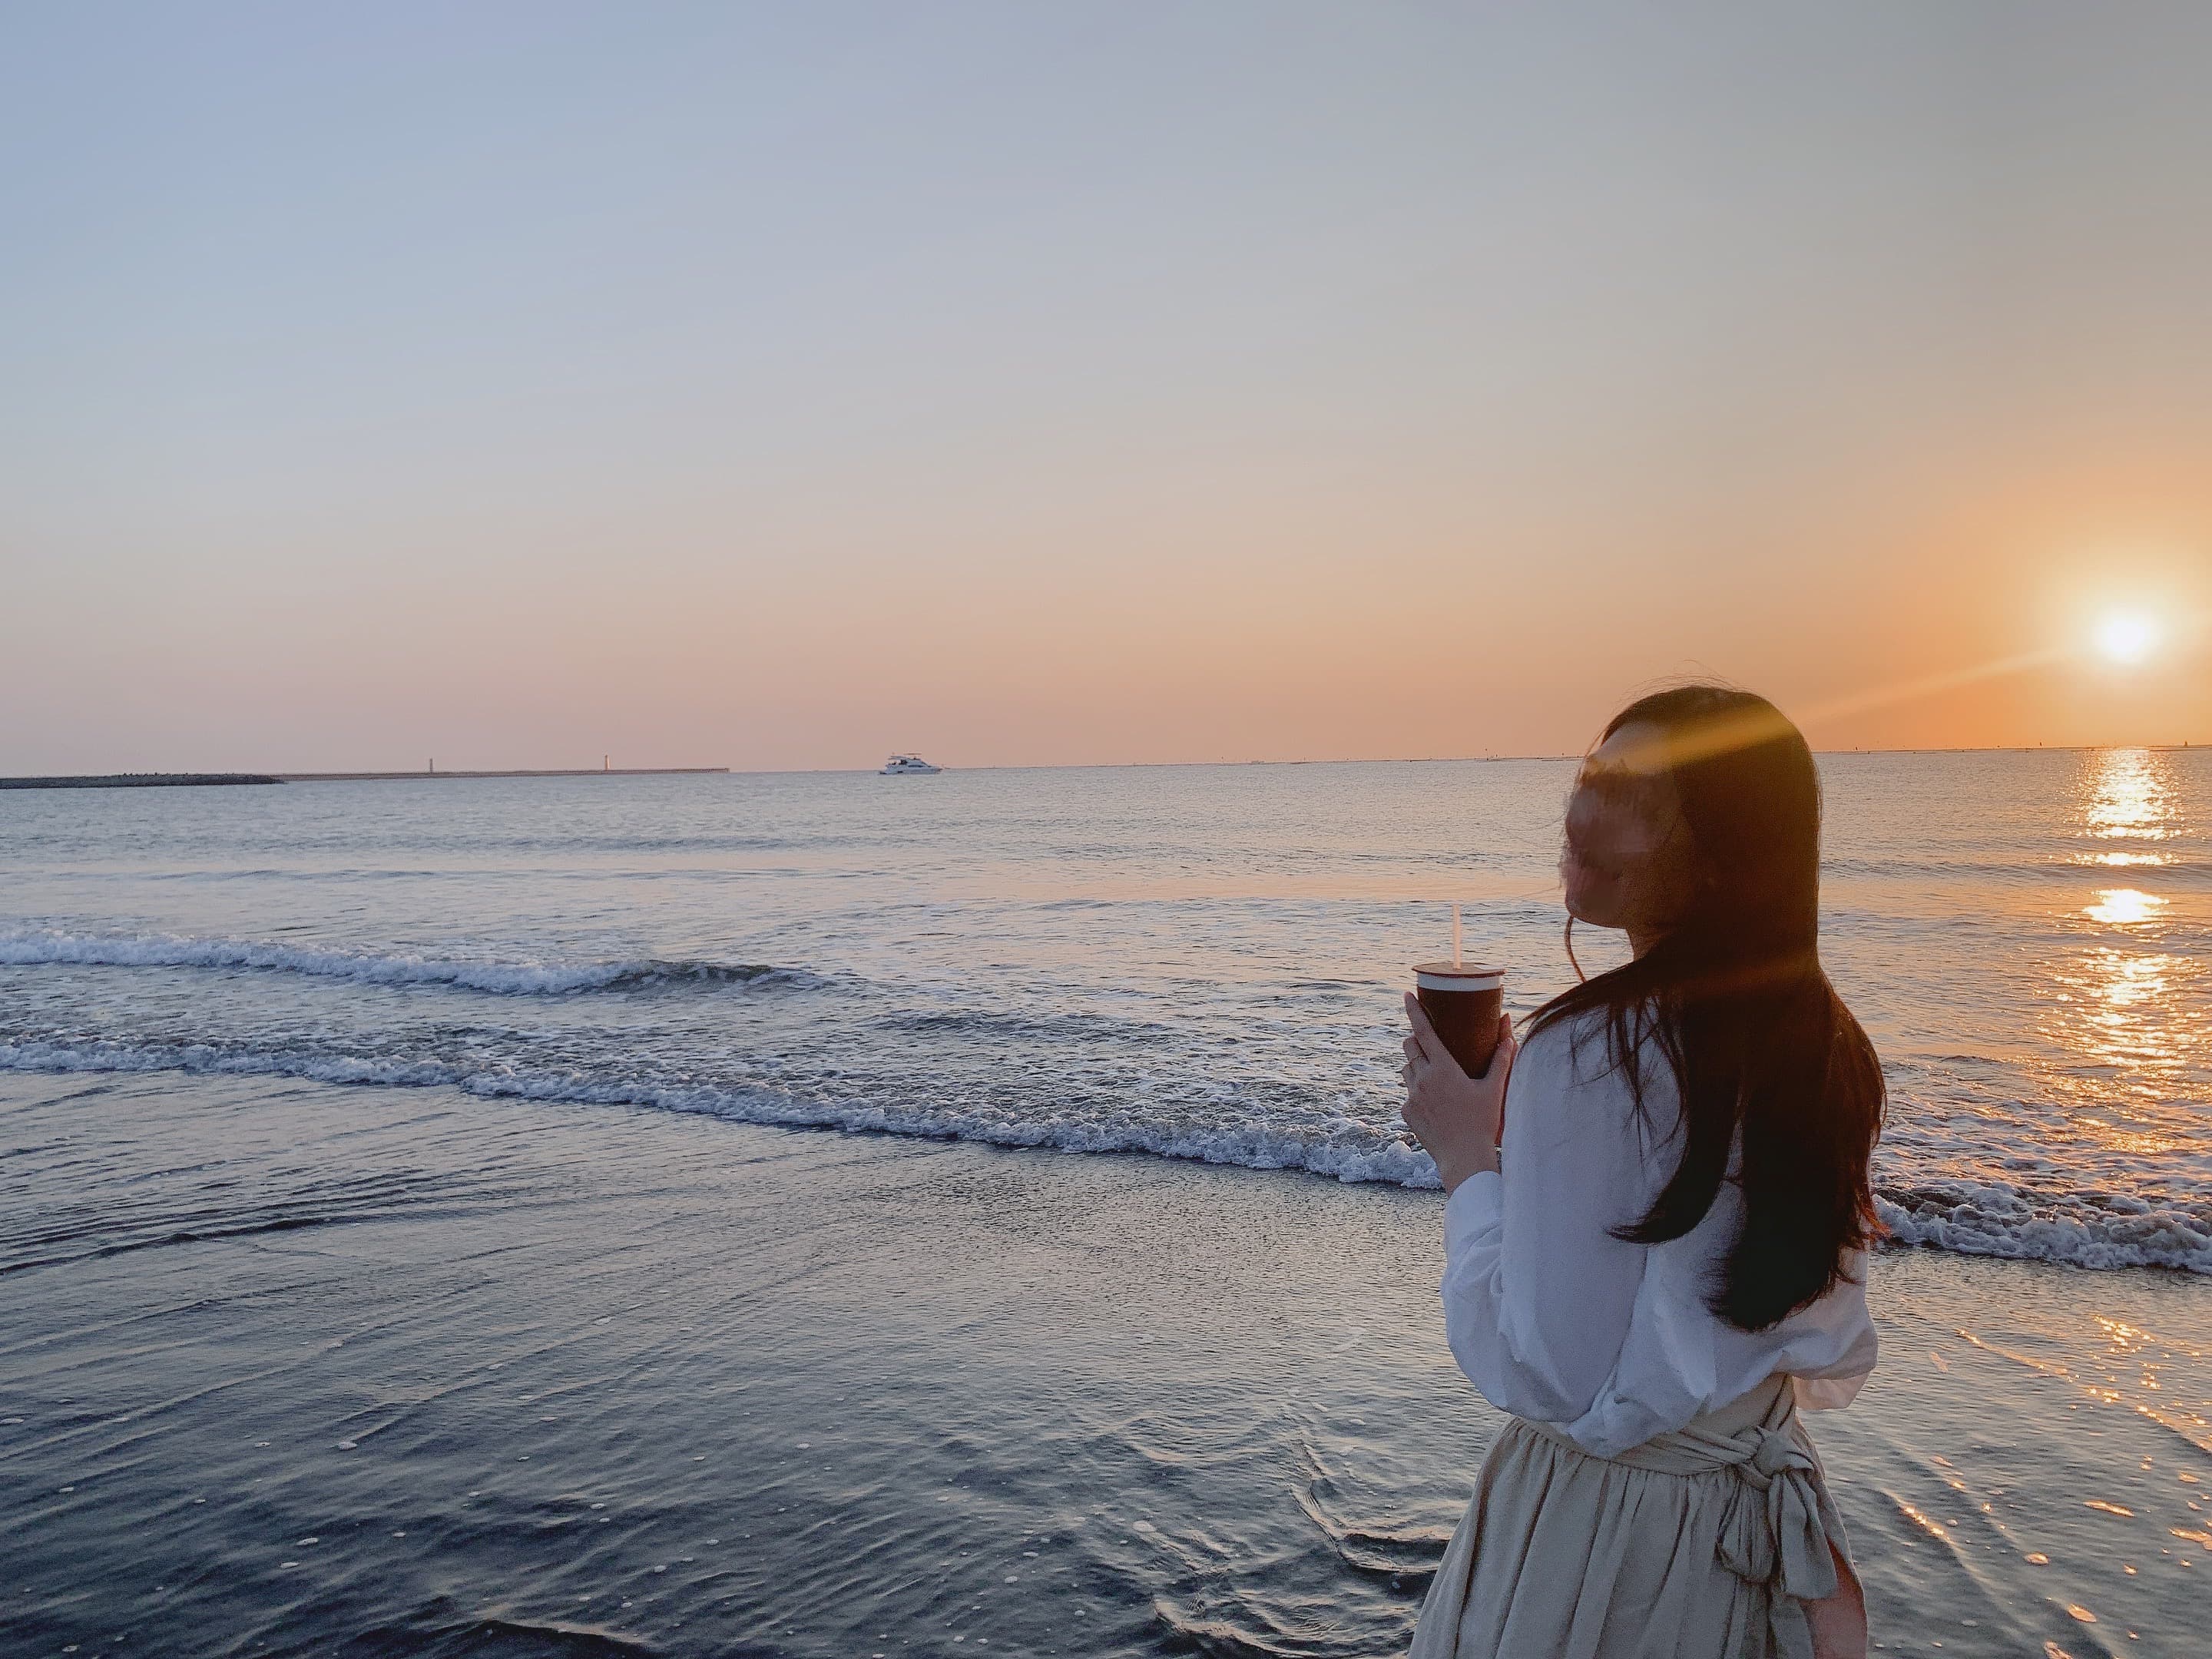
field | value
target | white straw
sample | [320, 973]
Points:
[1455, 935]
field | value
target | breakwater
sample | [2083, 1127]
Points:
[142, 780]
[196, 780]
[551, 772]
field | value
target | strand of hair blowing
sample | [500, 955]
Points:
[1732, 1001]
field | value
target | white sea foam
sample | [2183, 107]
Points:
[1981, 1220]
[1989, 1220]
[41, 947]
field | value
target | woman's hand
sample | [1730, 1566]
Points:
[1456, 1117]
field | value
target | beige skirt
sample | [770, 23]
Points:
[1709, 1541]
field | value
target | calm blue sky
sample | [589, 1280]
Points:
[773, 385]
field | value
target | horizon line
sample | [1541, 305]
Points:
[459, 773]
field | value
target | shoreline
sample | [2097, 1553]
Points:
[1927, 1216]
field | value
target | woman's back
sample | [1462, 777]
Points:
[1554, 1318]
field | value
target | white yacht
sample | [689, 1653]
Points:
[901, 766]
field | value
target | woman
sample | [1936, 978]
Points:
[1666, 1260]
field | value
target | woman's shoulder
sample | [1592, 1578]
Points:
[1579, 1050]
[1578, 1055]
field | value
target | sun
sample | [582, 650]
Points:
[2126, 636]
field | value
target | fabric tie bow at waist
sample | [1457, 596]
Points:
[1775, 1530]
[1780, 1525]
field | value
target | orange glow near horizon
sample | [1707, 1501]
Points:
[1071, 664]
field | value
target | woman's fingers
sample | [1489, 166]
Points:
[1424, 1037]
[1501, 1063]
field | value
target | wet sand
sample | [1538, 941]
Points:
[301, 1368]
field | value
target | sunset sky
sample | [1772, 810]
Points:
[778, 385]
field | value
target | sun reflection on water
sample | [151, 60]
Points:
[2141, 1015]
[2133, 795]
[2131, 1007]
[2123, 907]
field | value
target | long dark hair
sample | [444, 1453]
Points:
[1734, 999]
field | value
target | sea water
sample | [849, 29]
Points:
[389, 1265]
[1189, 961]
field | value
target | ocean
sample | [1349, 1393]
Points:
[1182, 962]
[815, 1215]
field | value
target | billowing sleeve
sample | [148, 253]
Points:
[1538, 1295]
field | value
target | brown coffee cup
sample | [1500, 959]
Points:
[1464, 1001]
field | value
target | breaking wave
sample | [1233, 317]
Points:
[1346, 1148]
[44, 948]
[2105, 1231]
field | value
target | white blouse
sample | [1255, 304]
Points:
[1554, 1319]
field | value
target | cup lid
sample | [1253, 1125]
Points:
[1475, 976]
